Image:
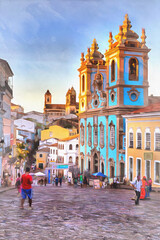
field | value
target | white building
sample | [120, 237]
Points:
[63, 154]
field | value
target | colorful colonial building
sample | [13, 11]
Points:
[143, 144]
[108, 89]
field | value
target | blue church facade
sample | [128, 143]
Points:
[109, 89]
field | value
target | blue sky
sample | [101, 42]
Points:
[42, 40]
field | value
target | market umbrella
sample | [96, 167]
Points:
[40, 174]
[99, 174]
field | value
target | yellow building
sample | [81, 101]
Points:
[57, 132]
[42, 157]
[143, 144]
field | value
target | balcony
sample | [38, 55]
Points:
[8, 88]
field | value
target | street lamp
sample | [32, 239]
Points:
[1, 155]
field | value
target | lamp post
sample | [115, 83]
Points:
[1, 157]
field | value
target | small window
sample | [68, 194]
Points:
[89, 135]
[133, 69]
[83, 83]
[112, 135]
[113, 71]
[40, 155]
[70, 160]
[70, 146]
[82, 134]
[77, 146]
[157, 141]
[101, 135]
[95, 134]
[130, 138]
[139, 140]
[148, 140]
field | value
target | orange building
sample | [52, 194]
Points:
[143, 144]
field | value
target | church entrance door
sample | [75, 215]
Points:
[121, 171]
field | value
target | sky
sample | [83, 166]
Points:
[42, 41]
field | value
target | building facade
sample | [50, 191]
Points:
[108, 89]
[63, 154]
[6, 94]
[143, 144]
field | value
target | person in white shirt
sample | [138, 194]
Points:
[137, 184]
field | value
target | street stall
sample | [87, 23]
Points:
[40, 178]
[98, 183]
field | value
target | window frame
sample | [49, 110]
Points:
[101, 135]
[83, 83]
[157, 131]
[89, 134]
[82, 134]
[70, 147]
[112, 126]
[156, 161]
[133, 77]
[147, 131]
[131, 131]
[113, 70]
[137, 140]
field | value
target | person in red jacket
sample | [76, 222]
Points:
[26, 191]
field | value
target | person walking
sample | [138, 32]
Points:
[18, 184]
[45, 181]
[56, 179]
[60, 181]
[26, 190]
[53, 181]
[150, 184]
[137, 185]
[81, 180]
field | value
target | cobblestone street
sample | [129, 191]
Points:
[74, 213]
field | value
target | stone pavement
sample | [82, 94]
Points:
[73, 213]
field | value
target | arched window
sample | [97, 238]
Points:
[70, 159]
[113, 71]
[83, 83]
[112, 135]
[130, 138]
[82, 134]
[89, 135]
[70, 146]
[157, 139]
[101, 135]
[95, 134]
[133, 69]
[147, 139]
[77, 146]
[139, 139]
